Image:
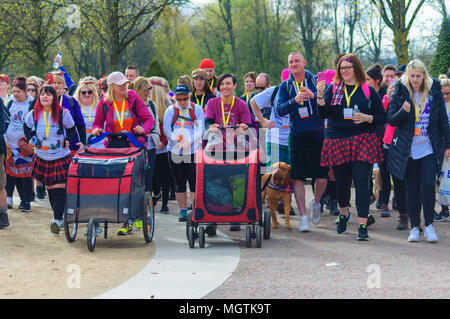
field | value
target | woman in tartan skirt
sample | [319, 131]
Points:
[351, 147]
[49, 128]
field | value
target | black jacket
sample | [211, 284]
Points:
[438, 128]
[2, 127]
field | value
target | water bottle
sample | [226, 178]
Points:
[356, 109]
[58, 57]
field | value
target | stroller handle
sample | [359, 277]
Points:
[130, 136]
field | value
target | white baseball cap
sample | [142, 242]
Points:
[117, 78]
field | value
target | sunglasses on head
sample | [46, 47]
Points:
[90, 92]
[150, 88]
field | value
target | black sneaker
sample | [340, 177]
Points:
[211, 230]
[4, 222]
[40, 191]
[442, 216]
[370, 220]
[334, 210]
[155, 199]
[362, 233]
[342, 225]
[164, 210]
[25, 207]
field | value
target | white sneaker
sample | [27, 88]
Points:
[304, 224]
[315, 211]
[9, 202]
[430, 234]
[414, 235]
[56, 225]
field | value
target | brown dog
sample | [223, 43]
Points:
[277, 187]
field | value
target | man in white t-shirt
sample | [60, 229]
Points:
[277, 127]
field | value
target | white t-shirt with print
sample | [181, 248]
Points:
[19, 112]
[52, 147]
[421, 144]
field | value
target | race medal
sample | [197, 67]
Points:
[348, 113]
[303, 111]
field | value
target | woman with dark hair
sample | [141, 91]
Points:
[19, 159]
[201, 92]
[417, 110]
[351, 147]
[52, 127]
[224, 111]
[250, 86]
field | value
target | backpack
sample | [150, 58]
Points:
[266, 111]
[8, 113]
[176, 115]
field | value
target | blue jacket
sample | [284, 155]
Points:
[286, 105]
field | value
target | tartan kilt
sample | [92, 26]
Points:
[360, 148]
[51, 172]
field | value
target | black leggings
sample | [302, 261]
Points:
[162, 178]
[183, 169]
[359, 172]
[24, 187]
[150, 171]
[421, 173]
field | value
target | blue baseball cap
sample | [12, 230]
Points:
[181, 89]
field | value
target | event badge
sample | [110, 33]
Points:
[285, 122]
[45, 145]
[417, 131]
[348, 113]
[303, 111]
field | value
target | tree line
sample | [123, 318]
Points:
[170, 37]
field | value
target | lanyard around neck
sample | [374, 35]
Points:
[348, 98]
[203, 97]
[90, 112]
[225, 123]
[120, 116]
[47, 124]
[183, 119]
[298, 88]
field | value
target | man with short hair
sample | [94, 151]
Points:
[389, 71]
[131, 73]
[297, 98]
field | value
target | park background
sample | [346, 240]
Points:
[169, 38]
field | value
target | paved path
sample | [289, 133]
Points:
[177, 271]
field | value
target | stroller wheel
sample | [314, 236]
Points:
[201, 237]
[91, 235]
[148, 218]
[189, 222]
[191, 237]
[267, 224]
[248, 236]
[70, 230]
[258, 236]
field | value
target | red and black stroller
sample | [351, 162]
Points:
[107, 185]
[228, 190]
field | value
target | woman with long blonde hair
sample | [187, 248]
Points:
[422, 134]
[162, 178]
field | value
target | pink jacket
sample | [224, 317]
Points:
[139, 112]
[389, 132]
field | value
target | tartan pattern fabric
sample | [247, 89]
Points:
[363, 148]
[338, 94]
[51, 172]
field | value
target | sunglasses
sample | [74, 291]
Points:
[181, 100]
[90, 92]
[150, 88]
[260, 88]
[31, 90]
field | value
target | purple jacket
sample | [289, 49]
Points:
[139, 112]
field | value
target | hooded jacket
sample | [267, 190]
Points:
[438, 127]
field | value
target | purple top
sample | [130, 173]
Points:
[239, 114]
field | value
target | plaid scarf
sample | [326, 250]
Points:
[338, 93]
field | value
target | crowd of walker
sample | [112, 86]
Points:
[331, 127]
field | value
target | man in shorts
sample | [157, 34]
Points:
[297, 98]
